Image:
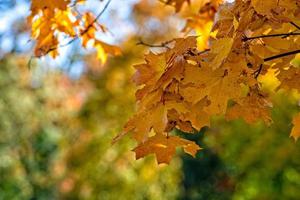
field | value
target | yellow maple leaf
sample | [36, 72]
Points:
[38, 5]
[221, 48]
[164, 147]
[264, 7]
[251, 108]
[149, 72]
[103, 49]
[289, 78]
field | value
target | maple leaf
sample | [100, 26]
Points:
[38, 5]
[264, 7]
[153, 118]
[148, 74]
[296, 129]
[221, 48]
[289, 78]
[164, 147]
[103, 49]
[251, 108]
[63, 23]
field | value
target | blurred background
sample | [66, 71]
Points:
[58, 118]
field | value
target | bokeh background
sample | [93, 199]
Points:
[58, 118]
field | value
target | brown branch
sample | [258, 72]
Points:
[191, 53]
[257, 72]
[162, 45]
[294, 24]
[282, 55]
[283, 35]
[97, 17]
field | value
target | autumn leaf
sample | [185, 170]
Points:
[164, 147]
[289, 78]
[37, 5]
[264, 7]
[221, 48]
[252, 108]
[103, 49]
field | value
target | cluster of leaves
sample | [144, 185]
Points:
[183, 87]
[52, 19]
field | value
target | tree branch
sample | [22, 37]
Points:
[283, 35]
[294, 24]
[257, 72]
[282, 55]
[97, 17]
[162, 45]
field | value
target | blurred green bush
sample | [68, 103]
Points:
[55, 138]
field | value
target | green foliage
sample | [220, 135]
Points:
[263, 162]
[51, 150]
[29, 139]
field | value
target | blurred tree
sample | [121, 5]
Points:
[31, 131]
[263, 162]
[56, 142]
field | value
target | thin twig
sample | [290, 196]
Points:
[294, 24]
[162, 45]
[282, 55]
[97, 17]
[283, 35]
[257, 72]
